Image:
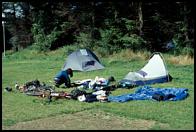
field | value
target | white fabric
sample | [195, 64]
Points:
[154, 68]
[83, 52]
[82, 81]
[81, 98]
[91, 84]
[100, 80]
[100, 92]
[55, 94]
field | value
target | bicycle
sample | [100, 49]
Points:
[39, 91]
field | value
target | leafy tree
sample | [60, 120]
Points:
[104, 25]
[18, 23]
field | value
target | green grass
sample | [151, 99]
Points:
[17, 107]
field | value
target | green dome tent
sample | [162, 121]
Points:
[83, 60]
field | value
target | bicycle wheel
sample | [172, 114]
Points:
[47, 88]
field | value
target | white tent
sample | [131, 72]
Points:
[155, 71]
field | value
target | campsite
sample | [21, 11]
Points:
[120, 78]
[20, 109]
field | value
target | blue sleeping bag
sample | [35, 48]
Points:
[149, 93]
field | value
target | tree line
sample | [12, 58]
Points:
[102, 25]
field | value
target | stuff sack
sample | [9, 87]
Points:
[76, 92]
[158, 97]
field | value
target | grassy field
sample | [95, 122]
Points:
[25, 112]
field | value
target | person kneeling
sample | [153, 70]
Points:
[63, 76]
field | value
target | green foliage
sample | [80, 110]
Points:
[119, 35]
[109, 41]
[20, 39]
[65, 25]
[14, 41]
[129, 24]
[133, 41]
[103, 52]
[188, 51]
[182, 45]
[32, 53]
[54, 24]
[179, 36]
[84, 40]
[43, 42]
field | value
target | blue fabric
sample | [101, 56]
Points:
[62, 76]
[144, 82]
[146, 93]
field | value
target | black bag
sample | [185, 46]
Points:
[158, 97]
[76, 92]
[35, 83]
[169, 96]
[91, 98]
[8, 89]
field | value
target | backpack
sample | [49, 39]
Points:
[158, 96]
[35, 83]
[8, 89]
[76, 92]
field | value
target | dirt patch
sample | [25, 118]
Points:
[85, 120]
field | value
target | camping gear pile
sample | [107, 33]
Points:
[83, 96]
[100, 89]
[155, 71]
[35, 88]
[99, 83]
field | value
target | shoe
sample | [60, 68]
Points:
[102, 98]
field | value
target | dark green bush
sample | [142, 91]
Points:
[42, 41]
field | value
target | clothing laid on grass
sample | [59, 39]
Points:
[95, 84]
[150, 93]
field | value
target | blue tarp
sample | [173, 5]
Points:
[148, 92]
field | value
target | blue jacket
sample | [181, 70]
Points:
[63, 77]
